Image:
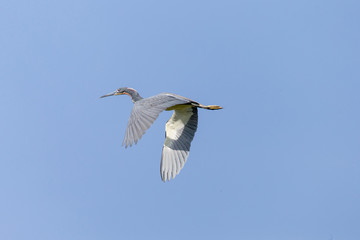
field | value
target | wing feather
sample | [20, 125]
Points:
[145, 112]
[180, 131]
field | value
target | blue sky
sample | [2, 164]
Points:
[280, 161]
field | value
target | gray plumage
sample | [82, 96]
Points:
[179, 130]
[145, 112]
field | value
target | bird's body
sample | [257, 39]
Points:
[179, 130]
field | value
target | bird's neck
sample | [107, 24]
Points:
[135, 96]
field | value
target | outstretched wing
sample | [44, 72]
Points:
[145, 112]
[180, 131]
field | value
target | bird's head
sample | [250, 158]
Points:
[120, 91]
[125, 90]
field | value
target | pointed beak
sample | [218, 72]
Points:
[110, 94]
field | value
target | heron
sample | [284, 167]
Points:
[179, 129]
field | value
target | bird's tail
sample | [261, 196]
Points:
[210, 107]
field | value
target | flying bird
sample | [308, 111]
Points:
[179, 130]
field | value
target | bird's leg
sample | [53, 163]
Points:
[210, 107]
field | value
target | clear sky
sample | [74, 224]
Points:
[281, 161]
